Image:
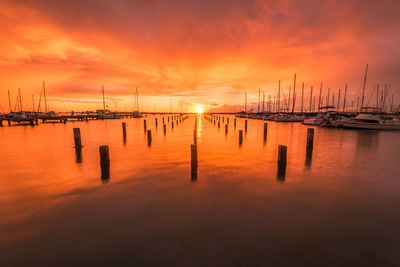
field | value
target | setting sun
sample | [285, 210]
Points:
[199, 110]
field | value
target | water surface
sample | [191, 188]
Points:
[339, 208]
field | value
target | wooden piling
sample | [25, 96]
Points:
[227, 120]
[219, 125]
[193, 161]
[226, 129]
[77, 137]
[195, 136]
[310, 140]
[163, 120]
[265, 131]
[1, 123]
[240, 137]
[156, 123]
[282, 153]
[245, 125]
[165, 129]
[144, 125]
[104, 157]
[234, 122]
[172, 125]
[124, 130]
[149, 137]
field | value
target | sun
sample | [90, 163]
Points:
[199, 110]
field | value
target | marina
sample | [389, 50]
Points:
[184, 177]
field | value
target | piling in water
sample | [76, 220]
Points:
[240, 137]
[124, 130]
[265, 131]
[104, 163]
[77, 138]
[310, 140]
[156, 123]
[226, 129]
[245, 125]
[144, 125]
[195, 136]
[219, 125]
[165, 129]
[149, 137]
[163, 120]
[282, 153]
[104, 157]
[234, 122]
[194, 163]
[172, 125]
[227, 120]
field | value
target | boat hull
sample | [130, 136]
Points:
[370, 126]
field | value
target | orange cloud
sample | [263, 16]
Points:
[193, 51]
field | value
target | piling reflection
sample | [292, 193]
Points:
[78, 155]
[105, 174]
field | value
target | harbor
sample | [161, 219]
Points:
[237, 193]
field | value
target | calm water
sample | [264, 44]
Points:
[340, 209]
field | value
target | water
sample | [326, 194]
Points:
[341, 208]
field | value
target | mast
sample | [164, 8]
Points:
[288, 103]
[294, 93]
[311, 97]
[104, 101]
[279, 97]
[33, 104]
[319, 100]
[358, 102]
[384, 97]
[245, 102]
[365, 81]
[274, 107]
[338, 101]
[377, 95]
[137, 99]
[258, 108]
[333, 99]
[327, 98]
[302, 97]
[263, 102]
[45, 98]
[344, 100]
[9, 100]
[20, 99]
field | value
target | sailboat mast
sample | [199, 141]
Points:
[9, 100]
[245, 102]
[344, 100]
[365, 81]
[338, 101]
[104, 102]
[311, 97]
[319, 100]
[377, 95]
[279, 97]
[33, 104]
[20, 99]
[137, 99]
[263, 101]
[302, 97]
[45, 98]
[258, 108]
[294, 93]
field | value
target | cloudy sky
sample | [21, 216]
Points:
[183, 53]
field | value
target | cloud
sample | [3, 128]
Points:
[196, 48]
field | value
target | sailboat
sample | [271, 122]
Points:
[370, 117]
[105, 113]
[136, 113]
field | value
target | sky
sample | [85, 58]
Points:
[181, 54]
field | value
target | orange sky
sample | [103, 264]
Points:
[182, 53]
